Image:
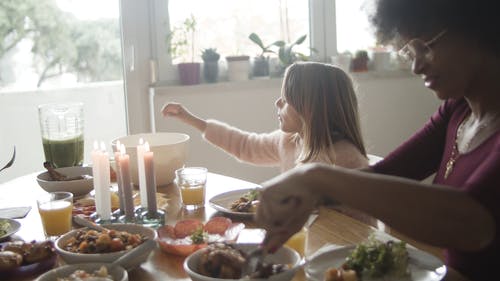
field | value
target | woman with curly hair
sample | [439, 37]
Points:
[454, 46]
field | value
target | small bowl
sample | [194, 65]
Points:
[284, 255]
[77, 187]
[170, 153]
[73, 258]
[117, 273]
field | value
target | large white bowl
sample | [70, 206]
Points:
[117, 273]
[284, 255]
[77, 187]
[73, 258]
[170, 151]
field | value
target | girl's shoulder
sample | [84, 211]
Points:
[347, 155]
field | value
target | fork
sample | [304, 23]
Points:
[11, 161]
[253, 259]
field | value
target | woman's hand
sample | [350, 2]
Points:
[177, 110]
[285, 204]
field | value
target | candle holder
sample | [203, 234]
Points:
[152, 219]
[96, 218]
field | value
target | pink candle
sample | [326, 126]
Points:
[142, 173]
[149, 169]
[124, 163]
[118, 177]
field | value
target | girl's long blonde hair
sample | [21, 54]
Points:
[324, 97]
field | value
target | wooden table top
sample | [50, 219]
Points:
[331, 227]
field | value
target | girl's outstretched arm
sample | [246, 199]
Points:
[179, 111]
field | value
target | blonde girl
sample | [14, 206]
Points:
[318, 122]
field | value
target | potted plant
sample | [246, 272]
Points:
[261, 62]
[287, 55]
[238, 67]
[360, 61]
[210, 64]
[180, 42]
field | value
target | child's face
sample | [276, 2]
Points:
[288, 117]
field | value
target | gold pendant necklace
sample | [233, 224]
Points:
[454, 152]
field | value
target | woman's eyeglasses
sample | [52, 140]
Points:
[417, 48]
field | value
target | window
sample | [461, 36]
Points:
[226, 24]
[57, 51]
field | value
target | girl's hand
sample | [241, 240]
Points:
[285, 204]
[174, 109]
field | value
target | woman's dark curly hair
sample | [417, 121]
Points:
[475, 19]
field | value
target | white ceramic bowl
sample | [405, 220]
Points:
[170, 151]
[77, 187]
[73, 258]
[284, 255]
[117, 273]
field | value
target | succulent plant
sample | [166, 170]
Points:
[210, 54]
[265, 49]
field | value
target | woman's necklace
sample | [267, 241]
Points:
[454, 152]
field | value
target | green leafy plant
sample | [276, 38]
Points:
[181, 39]
[265, 49]
[210, 54]
[288, 56]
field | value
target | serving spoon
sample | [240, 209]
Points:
[11, 161]
[79, 219]
[144, 247]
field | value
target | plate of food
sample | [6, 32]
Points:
[242, 202]
[187, 236]
[21, 259]
[375, 260]
[8, 227]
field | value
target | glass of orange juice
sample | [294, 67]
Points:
[55, 210]
[298, 241]
[192, 184]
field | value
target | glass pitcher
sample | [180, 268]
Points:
[61, 126]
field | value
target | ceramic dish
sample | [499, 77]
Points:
[117, 273]
[223, 201]
[423, 266]
[13, 227]
[28, 270]
[73, 258]
[79, 188]
[284, 255]
[217, 229]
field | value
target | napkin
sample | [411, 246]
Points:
[14, 213]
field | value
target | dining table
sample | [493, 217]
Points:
[331, 227]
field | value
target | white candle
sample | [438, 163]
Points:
[150, 178]
[96, 175]
[105, 182]
[142, 174]
[124, 163]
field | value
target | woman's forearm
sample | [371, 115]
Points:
[437, 215]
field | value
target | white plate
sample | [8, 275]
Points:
[423, 266]
[14, 227]
[223, 201]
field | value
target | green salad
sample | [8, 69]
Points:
[4, 227]
[376, 259]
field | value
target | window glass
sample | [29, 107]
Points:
[58, 51]
[354, 31]
[226, 24]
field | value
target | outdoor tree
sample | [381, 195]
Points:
[61, 43]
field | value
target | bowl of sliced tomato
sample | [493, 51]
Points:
[187, 236]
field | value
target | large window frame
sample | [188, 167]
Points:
[147, 63]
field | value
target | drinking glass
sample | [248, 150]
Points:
[55, 210]
[61, 126]
[298, 241]
[192, 184]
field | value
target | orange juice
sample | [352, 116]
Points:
[56, 217]
[298, 241]
[193, 195]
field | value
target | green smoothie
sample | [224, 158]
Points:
[64, 153]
